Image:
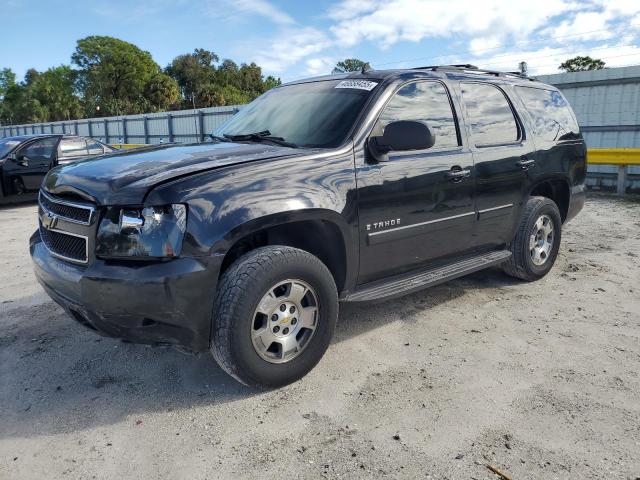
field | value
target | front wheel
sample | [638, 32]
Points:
[537, 241]
[274, 316]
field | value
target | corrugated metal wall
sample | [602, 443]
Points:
[178, 126]
[607, 104]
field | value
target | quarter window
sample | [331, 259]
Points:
[426, 101]
[552, 117]
[492, 120]
[94, 147]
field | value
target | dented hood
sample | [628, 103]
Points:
[124, 178]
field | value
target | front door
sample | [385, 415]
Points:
[24, 173]
[416, 207]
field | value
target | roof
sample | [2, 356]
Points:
[36, 135]
[434, 71]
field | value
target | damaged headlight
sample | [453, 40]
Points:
[150, 232]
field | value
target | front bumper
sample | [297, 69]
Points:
[157, 303]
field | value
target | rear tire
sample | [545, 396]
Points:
[274, 315]
[535, 246]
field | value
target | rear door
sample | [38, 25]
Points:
[560, 148]
[502, 153]
[411, 210]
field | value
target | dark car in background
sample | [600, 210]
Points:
[26, 159]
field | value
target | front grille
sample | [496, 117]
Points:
[73, 212]
[65, 245]
[65, 227]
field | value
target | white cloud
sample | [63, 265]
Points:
[263, 8]
[413, 20]
[224, 10]
[291, 46]
[547, 59]
[320, 65]
[496, 34]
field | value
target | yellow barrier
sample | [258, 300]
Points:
[127, 146]
[621, 157]
[614, 156]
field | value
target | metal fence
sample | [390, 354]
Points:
[177, 126]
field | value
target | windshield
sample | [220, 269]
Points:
[6, 145]
[316, 114]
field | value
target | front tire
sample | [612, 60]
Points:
[274, 315]
[537, 241]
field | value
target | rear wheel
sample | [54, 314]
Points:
[274, 316]
[537, 241]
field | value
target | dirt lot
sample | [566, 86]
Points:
[539, 380]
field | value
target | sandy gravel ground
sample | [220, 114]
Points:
[539, 380]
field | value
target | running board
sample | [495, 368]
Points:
[411, 282]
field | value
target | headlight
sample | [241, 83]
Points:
[155, 232]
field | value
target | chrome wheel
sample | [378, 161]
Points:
[541, 240]
[284, 321]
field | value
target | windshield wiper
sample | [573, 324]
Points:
[217, 138]
[260, 137]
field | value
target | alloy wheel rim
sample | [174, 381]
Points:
[284, 321]
[541, 240]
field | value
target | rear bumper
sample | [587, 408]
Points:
[156, 303]
[576, 201]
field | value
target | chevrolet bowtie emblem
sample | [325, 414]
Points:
[49, 221]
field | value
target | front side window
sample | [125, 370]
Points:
[315, 114]
[490, 115]
[41, 149]
[73, 147]
[423, 101]
[552, 116]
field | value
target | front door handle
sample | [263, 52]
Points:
[457, 174]
[525, 163]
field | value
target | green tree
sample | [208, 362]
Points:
[113, 74]
[7, 79]
[161, 92]
[350, 65]
[194, 72]
[581, 64]
[55, 91]
[20, 106]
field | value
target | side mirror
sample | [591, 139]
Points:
[401, 136]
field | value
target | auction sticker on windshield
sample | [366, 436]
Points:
[359, 84]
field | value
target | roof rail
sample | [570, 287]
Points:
[467, 67]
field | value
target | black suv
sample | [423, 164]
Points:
[349, 188]
[26, 159]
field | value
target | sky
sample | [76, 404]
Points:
[294, 39]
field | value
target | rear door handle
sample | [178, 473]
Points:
[457, 173]
[525, 163]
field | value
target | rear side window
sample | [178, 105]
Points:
[426, 101]
[490, 115]
[73, 147]
[552, 116]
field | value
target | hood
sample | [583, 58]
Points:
[124, 178]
